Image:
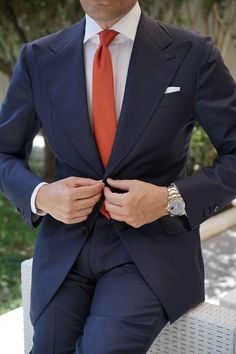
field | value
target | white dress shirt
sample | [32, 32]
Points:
[120, 48]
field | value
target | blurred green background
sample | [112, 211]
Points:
[22, 21]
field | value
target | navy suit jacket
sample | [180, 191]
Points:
[151, 144]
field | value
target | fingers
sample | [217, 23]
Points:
[69, 220]
[72, 199]
[117, 217]
[114, 209]
[86, 202]
[79, 181]
[114, 198]
[60, 198]
[87, 191]
[72, 215]
[68, 211]
[78, 213]
[125, 184]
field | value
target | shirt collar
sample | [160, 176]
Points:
[126, 26]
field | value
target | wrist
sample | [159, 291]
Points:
[40, 198]
[165, 201]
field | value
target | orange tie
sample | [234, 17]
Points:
[103, 100]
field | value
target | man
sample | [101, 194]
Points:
[118, 252]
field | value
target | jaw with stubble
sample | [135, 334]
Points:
[107, 10]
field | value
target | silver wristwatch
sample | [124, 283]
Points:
[176, 204]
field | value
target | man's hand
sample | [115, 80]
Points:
[69, 200]
[143, 203]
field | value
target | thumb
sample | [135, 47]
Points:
[125, 184]
[80, 181]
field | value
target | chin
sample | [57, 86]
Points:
[99, 16]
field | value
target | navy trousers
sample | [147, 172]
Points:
[104, 305]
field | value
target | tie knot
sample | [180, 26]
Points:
[107, 36]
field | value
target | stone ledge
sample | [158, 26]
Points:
[11, 329]
[218, 224]
[229, 300]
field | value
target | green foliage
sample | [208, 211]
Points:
[16, 245]
[202, 152]
[179, 3]
[145, 4]
[22, 21]
[208, 4]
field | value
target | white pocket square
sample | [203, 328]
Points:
[172, 89]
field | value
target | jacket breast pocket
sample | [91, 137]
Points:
[170, 99]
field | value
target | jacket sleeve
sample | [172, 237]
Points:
[213, 187]
[19, 124]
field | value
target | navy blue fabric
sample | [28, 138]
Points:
[104, 305]
[48, 91]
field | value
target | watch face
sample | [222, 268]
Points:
[176, 206]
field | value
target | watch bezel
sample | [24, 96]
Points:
[180, 202]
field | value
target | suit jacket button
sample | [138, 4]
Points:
[216, 208]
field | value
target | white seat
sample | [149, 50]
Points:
[205, 329]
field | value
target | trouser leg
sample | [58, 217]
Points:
[104, 306]
[62, 321]
[125, 315]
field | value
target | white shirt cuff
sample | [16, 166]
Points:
[32, 200]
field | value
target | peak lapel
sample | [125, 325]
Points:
[63, 66]
[151, 68]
